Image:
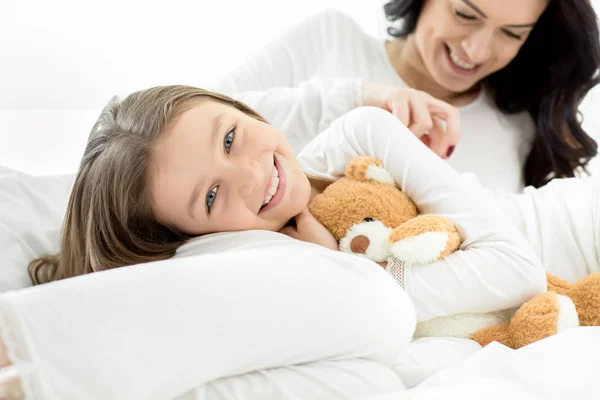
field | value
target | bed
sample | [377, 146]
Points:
[265, 318]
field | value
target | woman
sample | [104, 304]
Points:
[517, 72]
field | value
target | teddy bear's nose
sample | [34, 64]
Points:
[360, 244]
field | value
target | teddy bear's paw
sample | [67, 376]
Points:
[586, 296]
[545, 315]
[423, 248]
[568, 317]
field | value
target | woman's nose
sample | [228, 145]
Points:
[478, 46]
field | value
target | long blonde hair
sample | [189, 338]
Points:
[109, 220]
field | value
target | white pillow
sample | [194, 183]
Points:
[157, 330]
[31, 214]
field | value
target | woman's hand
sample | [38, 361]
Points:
[308, 229]
[435, 122]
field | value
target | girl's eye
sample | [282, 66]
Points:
[211, 196]
[228, 140]
[465, 16]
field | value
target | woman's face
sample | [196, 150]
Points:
[464, 41]
[216, 169]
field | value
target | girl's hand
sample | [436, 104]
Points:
[308, 229]
[422, 113]
[10, 389]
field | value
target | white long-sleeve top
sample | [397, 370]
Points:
[561, 221]
[312, 73]
[495, 269]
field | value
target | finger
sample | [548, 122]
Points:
[400, 110]
[451, 117]
[420, 117]
[426, 139]
[439, 143]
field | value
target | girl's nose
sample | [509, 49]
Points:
[249, 177]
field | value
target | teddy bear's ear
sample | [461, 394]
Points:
[365, 168]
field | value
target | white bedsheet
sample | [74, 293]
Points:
[561, 367]
[564, 366]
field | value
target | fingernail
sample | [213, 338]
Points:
[450, 151]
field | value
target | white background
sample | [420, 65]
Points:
[62, 60]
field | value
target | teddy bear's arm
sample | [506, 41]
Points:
[425, 238]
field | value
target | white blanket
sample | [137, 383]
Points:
[564, 366]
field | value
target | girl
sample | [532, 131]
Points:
[171, 163]
[517, 72]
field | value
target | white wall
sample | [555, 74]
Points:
[62, 60]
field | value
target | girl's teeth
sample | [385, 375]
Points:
[273, 187]
[460, 62]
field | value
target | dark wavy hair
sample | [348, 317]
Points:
[553, 71]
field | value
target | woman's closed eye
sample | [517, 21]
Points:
[471, 18]
[464, 16]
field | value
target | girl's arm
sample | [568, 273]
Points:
[561, 221]
[495, 269]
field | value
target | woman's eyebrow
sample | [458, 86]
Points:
[531, 25]
[478, 11]
[475, 8]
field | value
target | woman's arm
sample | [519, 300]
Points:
[305, 110]
[289, 82]
[296, 55]
[279, 80]
[496, 269]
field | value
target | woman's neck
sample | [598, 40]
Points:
[409, 65]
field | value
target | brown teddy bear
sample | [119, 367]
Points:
[370, 216]
[367, 213]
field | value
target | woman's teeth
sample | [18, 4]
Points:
[459, 62]
[273, 188]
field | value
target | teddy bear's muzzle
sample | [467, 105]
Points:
[368, 238]
[360, 244]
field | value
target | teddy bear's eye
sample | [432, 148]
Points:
[368, 219]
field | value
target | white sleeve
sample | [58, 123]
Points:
[495, 269]
[302, 112]
[279, 81]
[561, 221]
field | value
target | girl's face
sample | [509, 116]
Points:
[463, 41]
[216, 169]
